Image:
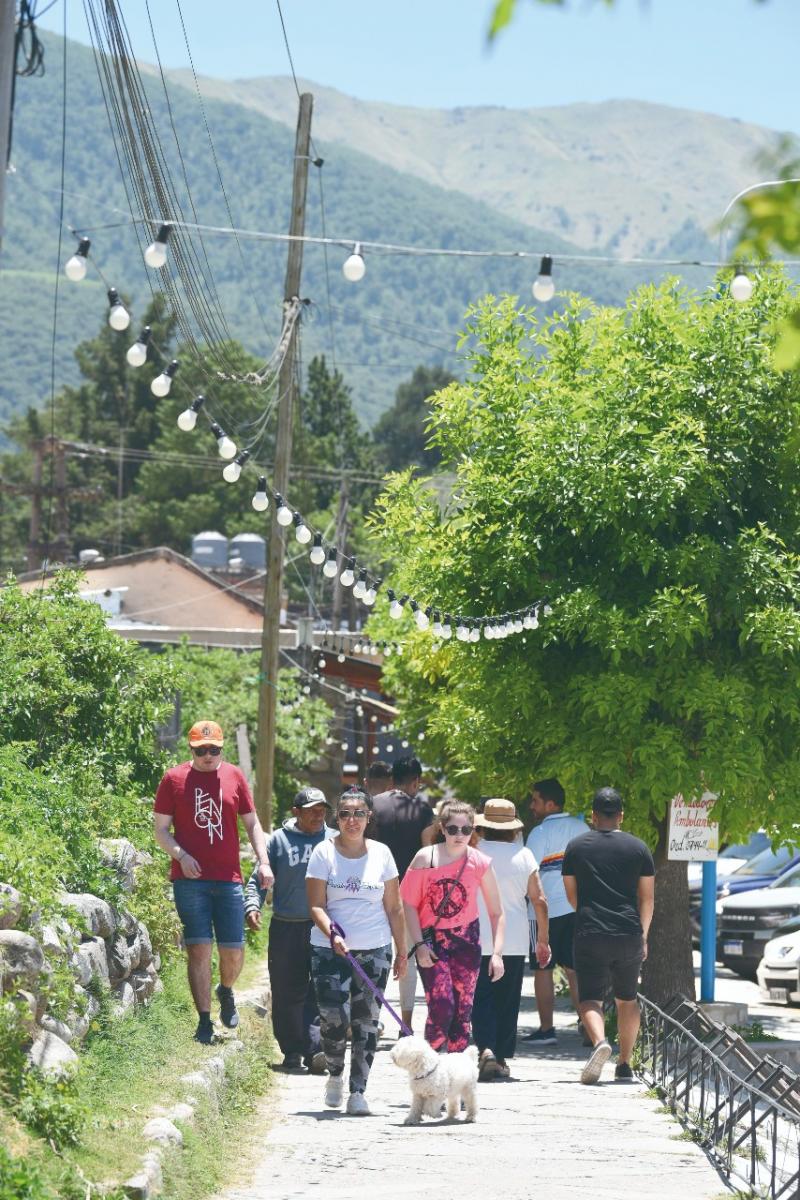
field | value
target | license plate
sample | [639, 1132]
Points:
[733, 947]
[780, 994]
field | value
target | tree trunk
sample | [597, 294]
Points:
[668, 968]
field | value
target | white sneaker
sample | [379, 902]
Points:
[597, 1060]
[334, 1086]
[357, 1105]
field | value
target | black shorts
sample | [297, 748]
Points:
[562, 934]
[599, 956]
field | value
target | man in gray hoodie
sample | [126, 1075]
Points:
[294, 1009]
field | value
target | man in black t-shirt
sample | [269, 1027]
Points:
[398, 818]
[609, 879]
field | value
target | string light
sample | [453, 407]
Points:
[284, 514]
[301, 530]
[331, 570]
[360, 588]
[118, 316]
[395, 605]
[75, 267]
[317, 554]
[137, 353]
[156, 253]
[162, 383]
[260, 501]
[225, 445]
[741, 285]
[188, 418]
[544, 288]
[348, 575]
[354, 267]
[370, 596]
[234, 469]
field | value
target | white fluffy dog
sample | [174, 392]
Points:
[437, 1079]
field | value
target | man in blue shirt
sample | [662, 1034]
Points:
[294, 1008]
[548, 840]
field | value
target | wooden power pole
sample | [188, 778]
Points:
[270, 638]
[8, 25]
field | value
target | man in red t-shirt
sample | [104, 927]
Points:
[201, 800]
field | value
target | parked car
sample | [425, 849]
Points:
[746, 921]
[779, 969]
[729, 859]
[756, 872]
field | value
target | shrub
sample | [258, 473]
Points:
[152, 903]
[20, 1180]
[50, 1108]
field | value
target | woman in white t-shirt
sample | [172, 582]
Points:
[495, 1009]
[353, 881]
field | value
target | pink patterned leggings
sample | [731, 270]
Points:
[450, 986]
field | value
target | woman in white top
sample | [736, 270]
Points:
[496, 1006]
[353, 881]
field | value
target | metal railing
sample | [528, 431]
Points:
[743, 1110]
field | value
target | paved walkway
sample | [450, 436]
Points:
[540, 1134]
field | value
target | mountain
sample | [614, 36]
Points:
[405, 311]
[622, 175]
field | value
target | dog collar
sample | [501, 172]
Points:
[416, 1078]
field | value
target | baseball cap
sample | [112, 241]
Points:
[206, 733]
[308, 797]
[607, 801]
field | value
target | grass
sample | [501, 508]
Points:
[134, 1064]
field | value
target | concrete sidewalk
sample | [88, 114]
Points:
[539, 1134]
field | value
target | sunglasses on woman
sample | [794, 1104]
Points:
[201, 750]
[354, 814]
[455, 830]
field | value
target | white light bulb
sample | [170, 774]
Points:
[75, 268]
[322, 664]
[462, 633]
[544, 289]
[156, 255]
[359, 749]
[404, 744]
[161, 384]
[347, 576]
[421, 619]
[137, 355]
[317, 556]
[447, 632]
[488, 632]
[360, 589]
[741, 286]
[187, 419]
[518, 626]
[390, 748]
[226, 447]
[340, 658]
[475, 634]
[369, 598]
[354, 267]
[232, 472]
[260, 501]
[395, 610]
[330, 570]
[344, 745]
[284, 515]
[119, 318]
[303, 534]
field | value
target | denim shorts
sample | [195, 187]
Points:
[206, 904]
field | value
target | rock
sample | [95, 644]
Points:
[119, 958]
[10, 906]
[52, 1055]
[160, 1129]
[145, 945]
[215, 1067]
[96, 915]
[59, 1028]
[179, 1112]
[124, 997]
[143, 984]
[148, 1181]
[120, 854]
[51, 942]
[79, 1022]
[196, 1080]
[21, 959]
[26, 1004]
[234, 1046]
[91, 959]
[127, 924]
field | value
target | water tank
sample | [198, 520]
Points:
[251, 549]
[210, 550]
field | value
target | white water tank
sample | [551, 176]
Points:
[251, 548]
[210, 550]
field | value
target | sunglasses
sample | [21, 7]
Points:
[201, 750]
[455, 830]
[356, 814]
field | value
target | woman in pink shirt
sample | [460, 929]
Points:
[440, 895]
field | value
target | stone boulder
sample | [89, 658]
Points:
[95, 913]
[143, 983]
[52, 1055]
[21, 959]
[160, 1129]
[145, 945]
[120, 959]
[124, 998]
[121, 855]
[90, 959]
[127, 924]
[10, 906]
[51, 1025]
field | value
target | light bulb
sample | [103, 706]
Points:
[156, 253]
[404, 744]
[301, 530]
[544, 288]
[226, 447]
[188, 418]
[369, 599]
[462, 633]
[475, 634]
[137, 354]
[348, 575]
[447, 628]
[741, 286]
[422, 619]
[163, 382]
[284, 513]
[344, 745]
[330, 570]
[390, 748]
[75, 267]
[118, 316]
[488, 632]
[361, 587]
[317, 554]
[322, 664]
[359, 749]
[234, 469]
[260, 501]
[395, 606]
[354, 267]
[340, 658]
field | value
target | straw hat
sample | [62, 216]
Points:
[498, 814]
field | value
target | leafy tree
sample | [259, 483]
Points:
[400, 436]
[636, 468]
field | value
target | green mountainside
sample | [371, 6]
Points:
[406, 310]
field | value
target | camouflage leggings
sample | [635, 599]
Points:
[344, 999]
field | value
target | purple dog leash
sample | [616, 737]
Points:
[337, 931]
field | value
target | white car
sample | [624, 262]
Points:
[779, 970]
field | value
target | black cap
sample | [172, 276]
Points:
[308, 797]
[607, 801]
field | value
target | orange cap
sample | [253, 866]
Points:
[205, 733]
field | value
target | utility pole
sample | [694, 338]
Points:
[340, 539]
[8, 24]
[270, 638]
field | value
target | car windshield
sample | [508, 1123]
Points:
[790, 879]
[758, 842]
[768, 862]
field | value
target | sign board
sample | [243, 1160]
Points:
[692, 836]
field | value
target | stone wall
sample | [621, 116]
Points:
[98, 943]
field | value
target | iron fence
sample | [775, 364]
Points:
[742, 1109]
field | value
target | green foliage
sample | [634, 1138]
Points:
[400, 436]
[637, 469]
[21, 1179]
[51, 1109]
[152, 903]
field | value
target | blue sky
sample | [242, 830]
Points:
[733, 57]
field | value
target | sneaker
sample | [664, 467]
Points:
[334, 1087]
[488, 1067]
[316, 1064]
[597, 1060]
[227, 1007]
[291, 1062]
[541, 1037]
[204, 1034]
[357, 1105]
[623, 1071]
[503, 1069]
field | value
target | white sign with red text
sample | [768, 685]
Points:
[692, 836]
